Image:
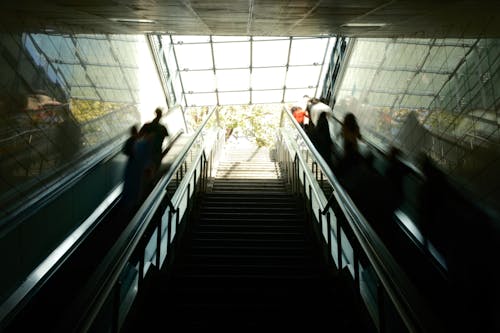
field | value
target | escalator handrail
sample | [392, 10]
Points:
[401, 291]
[43, 196]
[54, 261]
[182, 154]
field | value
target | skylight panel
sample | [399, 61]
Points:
[184, 39]
[231, 80]
[125, 51]
[84, 93]
[201, 99]
[302, 77]
[198, 81]
[308, 51]
[194, 56]
[230, 98]
[231, 55]
[296, 96]
[270, 66]
[267, 96]
[216, 39]
[268, 78]
[270, 53]
[370, 53]
[259, 38]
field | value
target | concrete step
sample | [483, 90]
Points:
[246, 234]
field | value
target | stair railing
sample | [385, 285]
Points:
[386, 291]
[147, 239]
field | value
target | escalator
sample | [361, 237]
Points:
[61, 285]
[248, 260]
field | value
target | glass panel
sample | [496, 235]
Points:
[302, 77]
[369, 52]
[234, 98]
[130, 75]
[268, 78]
[179, 39]
[268, 60]
[258, 38]
[44, 42]
[178, 88]
[308, 51]
[231, 80]
[268, 96]
[230, 38]
[111, 77]
[65, 96]
[74, 75]
[84, 92]
[199, 81]
[324, 71]
[201, 99]
[94, 51]
[297, 95]
[428, 96]
[232, 55]
[270, 53]
[125, 50]
[194, 56]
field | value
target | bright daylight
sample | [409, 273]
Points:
[251, 77]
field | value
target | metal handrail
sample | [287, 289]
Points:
[39, 197]
[35, 280]
[401, 291]
[178, 161]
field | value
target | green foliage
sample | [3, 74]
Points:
[258, 123]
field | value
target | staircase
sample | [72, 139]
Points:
[248, 259]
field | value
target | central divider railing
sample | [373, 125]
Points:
[390, 298]
[105, 301]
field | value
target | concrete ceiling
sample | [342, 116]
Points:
[396, 18]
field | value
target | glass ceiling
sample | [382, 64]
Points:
[227, 70]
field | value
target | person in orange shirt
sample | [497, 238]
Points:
[299, 114]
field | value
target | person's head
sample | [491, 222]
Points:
[311, 102]
[314, 100]
[158, 113]
[394, 153]
[134, 131]
[293, 109]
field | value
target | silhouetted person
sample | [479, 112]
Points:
[319, 129]
[367, 188]
[350, 133]
[139, 168]
[159, 133]
[128, 147]
[68, 135]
